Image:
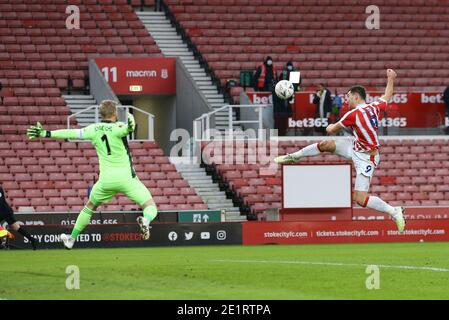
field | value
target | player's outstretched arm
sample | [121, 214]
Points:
[38, 131]
[131, 123]
[391, 75]
[334, 128]
[123, 129]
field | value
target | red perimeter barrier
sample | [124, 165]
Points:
[343, 232]
[415, 213]
[411, 213]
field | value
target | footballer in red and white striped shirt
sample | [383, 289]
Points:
[362, 120]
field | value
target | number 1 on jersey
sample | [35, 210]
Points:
[108, 148]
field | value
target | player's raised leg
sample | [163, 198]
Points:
[149, 214]
[311, 150]
[82, 221]
[362, 198]
[99, 195]
[137, 192]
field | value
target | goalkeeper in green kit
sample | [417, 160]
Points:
[117, 173]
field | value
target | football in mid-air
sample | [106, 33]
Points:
[284, 89]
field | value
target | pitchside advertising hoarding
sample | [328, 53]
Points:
[139, 75]
[128, 235]
[405, 110]
[343, 232]
[247, 233]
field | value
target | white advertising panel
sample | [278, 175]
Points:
[316, 186]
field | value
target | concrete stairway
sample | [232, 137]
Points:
[209, 191]
[77, 103]
[172, 45]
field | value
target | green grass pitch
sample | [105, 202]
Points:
[291, 272]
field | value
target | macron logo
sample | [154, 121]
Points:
[141, 73]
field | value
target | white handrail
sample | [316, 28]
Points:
[150, 118]
[202, 127]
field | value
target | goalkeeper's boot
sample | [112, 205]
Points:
[144, 225]
[68, 241]
[399, 219]
[287, 159]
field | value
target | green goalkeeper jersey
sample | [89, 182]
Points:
[109, 140]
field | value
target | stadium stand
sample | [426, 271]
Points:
[37, 55]
[328, 43]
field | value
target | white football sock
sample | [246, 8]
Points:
[378, 204]
[309, 151]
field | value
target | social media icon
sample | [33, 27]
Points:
[188, 235]
[172, 236]
[221, 235]
[205, 235]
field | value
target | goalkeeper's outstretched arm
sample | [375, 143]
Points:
[38, 131]
[124, 129]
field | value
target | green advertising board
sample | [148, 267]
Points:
[201, 216]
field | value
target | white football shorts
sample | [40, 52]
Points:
[364, 163]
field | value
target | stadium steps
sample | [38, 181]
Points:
[171, 45]
[78, 103]
[209, 191]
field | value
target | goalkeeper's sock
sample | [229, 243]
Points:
[81, 222]
[378, 204]
[309, 151]
[150, 213]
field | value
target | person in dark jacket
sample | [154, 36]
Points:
[285, 74]
[7, 214]
[446, 100]
[282, 109]
[323, 101]
[265, 77]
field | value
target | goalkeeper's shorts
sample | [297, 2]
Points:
[104, 190]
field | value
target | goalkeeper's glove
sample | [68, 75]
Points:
[131, 123]
[37, 131]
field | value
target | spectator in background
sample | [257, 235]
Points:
[265, 76]
[446, 100]
[69, 85]
[323, 101]
[337, 103]
[1, 95]
[285, 74]
[282, 109]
